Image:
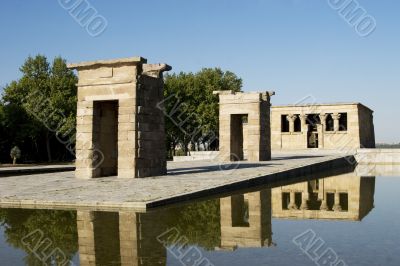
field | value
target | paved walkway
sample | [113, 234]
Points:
[185, 181]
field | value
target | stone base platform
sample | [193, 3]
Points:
[378, 156]
[185, 181]
[35, 169]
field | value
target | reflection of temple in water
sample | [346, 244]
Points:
[128, 238]
[346, 196]
[124, 238]
[246, 220]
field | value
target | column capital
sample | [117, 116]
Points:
[303, 117]
[336, 116]
[323, 117]
[291, 117]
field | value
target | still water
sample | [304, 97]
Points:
[336, 220]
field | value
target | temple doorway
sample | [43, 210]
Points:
[105, 137]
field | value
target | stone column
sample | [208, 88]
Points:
[304, 201]
[292, 203]
[84, 148]
[336, 206]
[304, 129]
[128, 238]
[323, 117]
[85, 226]
[321, 130]
[291, 119]
[324, 205]
[336, 117]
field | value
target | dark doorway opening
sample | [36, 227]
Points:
[239, 211]
[344, 201]
[313, 120]
[329, 123]
[285, 200]
[330, 200]
[312, 140]
[343, 122]
[106, 237]
[237, 136]
[284, 123]
[298, 199]
[105, 138]
[297, 124]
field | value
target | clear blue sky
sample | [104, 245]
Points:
[295, 47]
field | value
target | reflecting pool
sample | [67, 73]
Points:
[344, 219]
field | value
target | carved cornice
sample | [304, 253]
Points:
[155, 70]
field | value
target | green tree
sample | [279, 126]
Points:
[3, 131]
[192, 109]
[15, 154]
[41, 105]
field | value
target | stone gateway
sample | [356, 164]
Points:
[244, 126]
[120, 125]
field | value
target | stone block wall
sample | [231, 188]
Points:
[367, 130]
[150, 127]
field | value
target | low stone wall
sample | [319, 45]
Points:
[34, 170]
[378, 156]
[213, 155]
[197, 156]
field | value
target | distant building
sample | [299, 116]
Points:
[322, 126]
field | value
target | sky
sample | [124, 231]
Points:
[298, 48]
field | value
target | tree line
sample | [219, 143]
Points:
[38, 111]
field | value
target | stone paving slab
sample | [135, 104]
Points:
[185, 181]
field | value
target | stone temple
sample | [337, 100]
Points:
[341, 126]
[120, 123]
[121, 128]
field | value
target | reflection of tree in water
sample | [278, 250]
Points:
[58, 226]
[199, 222]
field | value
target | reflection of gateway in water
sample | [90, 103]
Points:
[246, 220]
[128, 238]
[124, 238]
